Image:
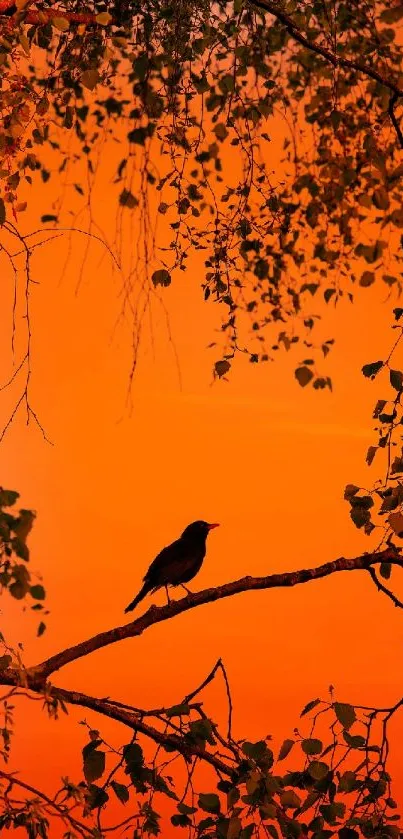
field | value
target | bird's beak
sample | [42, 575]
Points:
[211, 526]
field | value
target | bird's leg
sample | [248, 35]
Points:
[186, 589]
[168, 597]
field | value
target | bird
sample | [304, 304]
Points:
[176, 564]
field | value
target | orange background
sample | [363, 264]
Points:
[265, 458]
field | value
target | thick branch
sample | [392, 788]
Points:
[335, 60]
[135, 722]
[156, 615]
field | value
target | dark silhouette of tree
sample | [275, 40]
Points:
[264, 136]
[193, 92]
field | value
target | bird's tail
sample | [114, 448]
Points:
[142, 593]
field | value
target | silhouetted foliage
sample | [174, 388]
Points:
[264, 136]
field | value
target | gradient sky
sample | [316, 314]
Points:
[258, 454]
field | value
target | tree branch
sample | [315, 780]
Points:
[391, 111]
[63, 812]
[381, 587]
[155, 614]
[134, 721]
[336, 61]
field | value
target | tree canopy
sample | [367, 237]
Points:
[262, 139]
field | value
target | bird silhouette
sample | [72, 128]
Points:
[178, 563]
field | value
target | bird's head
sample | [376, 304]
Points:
[198, 530]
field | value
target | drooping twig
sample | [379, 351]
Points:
[381, 587]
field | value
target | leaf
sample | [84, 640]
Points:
[256, 751]
[180, 820]
[209, 802]
[37, 592]
[97, 797]
[18, 589]
[5, 661]
[397, 313]
[367, 278]
[371, 370]
[121, 791]
[247, 831]
[104, 18]
[138, 136]
[48, 217]
[314, 702]
[221, 368]
[371, 454]
[311, 287]
[303, 375]
[396, 217]
[61, 23]
[90, 78]
[396, 522]
[379, 408]
[127, 199]
[380, 198]
[234, 827]
[345, 714]
[24, 43]
[185, 809]
[385, 570]
[133, 755]
[178, 710]
[202, 730]
[347, 781]
[8, 497]
[41, 629]
[348, 833]
[318, 769]
[289, 799]
[396, 379]
[221, 131]
[331, 812]
[285, 749]
[23, 525]
[355, 741]
[161, 277]
[312, 746]
[94, 762]
[360, 516]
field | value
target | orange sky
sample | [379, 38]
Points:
[265, 458]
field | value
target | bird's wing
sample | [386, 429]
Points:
[169, 563]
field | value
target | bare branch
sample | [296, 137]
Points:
[219, 665]
[381, 587]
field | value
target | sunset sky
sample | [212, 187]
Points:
[260, 455]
